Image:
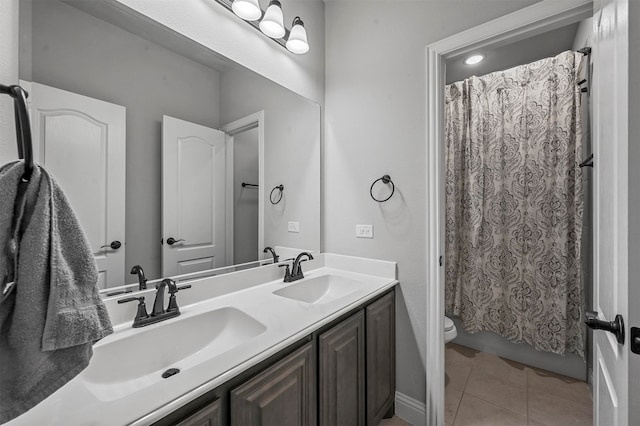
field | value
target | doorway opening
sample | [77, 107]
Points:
[526, 23]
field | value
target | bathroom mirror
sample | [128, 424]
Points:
[195, 127]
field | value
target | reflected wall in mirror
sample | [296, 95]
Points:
[141, 128]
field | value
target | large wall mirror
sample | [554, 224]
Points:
[173, 157]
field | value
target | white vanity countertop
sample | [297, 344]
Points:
[109, 400]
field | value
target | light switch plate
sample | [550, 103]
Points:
[364, 231]
[293, 227]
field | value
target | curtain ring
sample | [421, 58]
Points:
[281, 188]
[386, 179]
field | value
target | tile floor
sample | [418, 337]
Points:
[393, 421]
[484, 389]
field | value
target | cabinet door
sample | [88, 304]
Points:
[210, 415]
[381, 357]
[282, 395]
[341, 359]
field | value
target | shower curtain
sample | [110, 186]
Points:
[514, 204]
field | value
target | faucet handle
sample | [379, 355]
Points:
[173, 303]
[142, 308]
[174, 289]
[287, 272]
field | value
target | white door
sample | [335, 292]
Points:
[611, 226]
[81, 141]
[193, 197]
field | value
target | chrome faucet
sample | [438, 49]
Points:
[159, 313]
[296, 269]
[273, 253]
[142, 280]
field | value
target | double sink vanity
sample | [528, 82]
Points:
[247, 348]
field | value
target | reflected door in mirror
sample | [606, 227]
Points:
[81, 141]
[193, 197]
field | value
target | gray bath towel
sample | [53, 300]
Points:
[52, 315]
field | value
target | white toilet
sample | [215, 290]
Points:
[450, 331]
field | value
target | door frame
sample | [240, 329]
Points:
[251, 121]
[536, 19]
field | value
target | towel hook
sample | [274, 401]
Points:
[23, 128]
[386, 179]
[281, 188]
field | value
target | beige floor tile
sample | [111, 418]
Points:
[452, 399]
[511, 370]
[476, 412]
[551, 410]
[458, 362]
[533, 422]
[460, 354]
[560, 386]
[393, 421]
[502, 391]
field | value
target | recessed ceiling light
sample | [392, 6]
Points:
[472, 60]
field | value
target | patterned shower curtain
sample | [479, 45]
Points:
[514, 204]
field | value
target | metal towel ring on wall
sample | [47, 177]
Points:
[386, 179]
[281, 188]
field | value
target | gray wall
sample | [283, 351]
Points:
[245, 200]
[76, 52]
[374, 124]
[634, 201]
[292, 154]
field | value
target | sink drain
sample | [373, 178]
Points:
[170, 372]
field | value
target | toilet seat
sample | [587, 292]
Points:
[450, 331]
[448, 324]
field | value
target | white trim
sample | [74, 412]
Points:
[410, 410]
[229, 190]
[250, 121]
[536, 19]
[527, 22]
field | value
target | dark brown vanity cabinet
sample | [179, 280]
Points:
[341, 374]
[282, 395]
[381, 358]
[209, 415]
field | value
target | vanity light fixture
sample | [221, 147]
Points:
[249, 10]
[272, 23]
[474, 59]
[297, 42]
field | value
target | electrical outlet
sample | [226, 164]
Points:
[293, 227]
[364, 231]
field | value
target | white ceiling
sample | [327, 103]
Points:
[523, 52]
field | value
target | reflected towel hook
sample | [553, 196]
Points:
[386, 179]
[281, 188]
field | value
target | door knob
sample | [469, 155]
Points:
[171, 241]
[115, 245]
[616, 327]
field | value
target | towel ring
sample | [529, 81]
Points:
[386, 179]
[281, 188]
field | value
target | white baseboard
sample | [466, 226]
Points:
[410, 410]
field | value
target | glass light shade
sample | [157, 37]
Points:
[272, 24]
[249, 10]
[297, 42]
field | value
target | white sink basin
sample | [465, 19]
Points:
[140, 358]
[321, 289]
